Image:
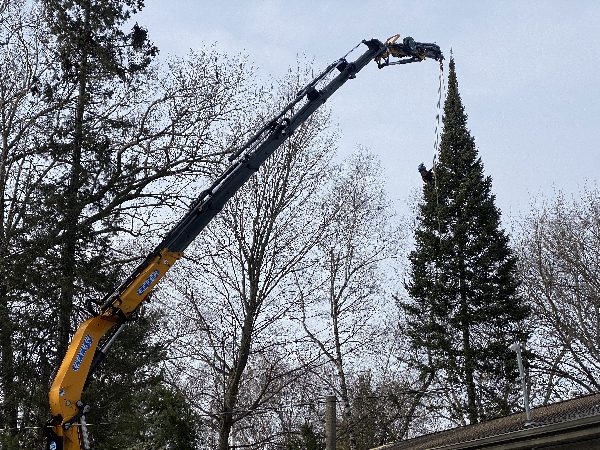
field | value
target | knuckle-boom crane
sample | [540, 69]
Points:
[66, 429]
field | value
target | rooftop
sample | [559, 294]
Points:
[575, 420]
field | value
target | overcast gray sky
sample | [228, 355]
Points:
[528, 74]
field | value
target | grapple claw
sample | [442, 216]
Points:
[407, 52]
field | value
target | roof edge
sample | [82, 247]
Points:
[561, 432]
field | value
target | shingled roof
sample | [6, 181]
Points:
[575, 420]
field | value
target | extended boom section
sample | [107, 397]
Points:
[67, 425]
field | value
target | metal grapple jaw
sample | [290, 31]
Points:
[407, 51]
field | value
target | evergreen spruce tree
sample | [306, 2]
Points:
[464, 309]
[97, 59]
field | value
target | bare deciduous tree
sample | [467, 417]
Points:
[238, 289]
[341, 293]
[560, 260]
[24, 68]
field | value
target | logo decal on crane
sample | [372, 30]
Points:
[85, 346]
[153, 276]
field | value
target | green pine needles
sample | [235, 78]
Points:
[464, 308]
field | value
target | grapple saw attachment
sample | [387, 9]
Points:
[407, 51]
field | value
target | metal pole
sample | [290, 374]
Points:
[516, 347]
[84, 434]
[330, 422]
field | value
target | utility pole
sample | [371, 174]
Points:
[330, 422]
